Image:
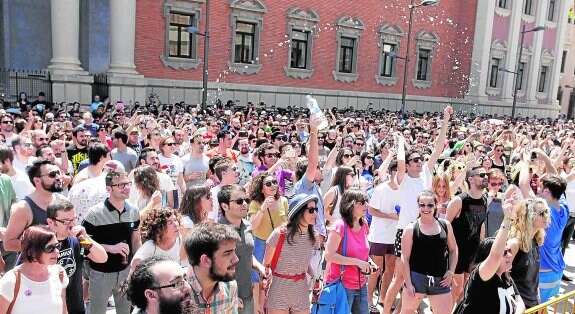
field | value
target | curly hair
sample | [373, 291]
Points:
[522, 223]
[347, 204]
[155, 222]
[256, 188]
[146, 180]
[190, 205]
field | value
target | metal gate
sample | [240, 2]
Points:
[100, 86]
[13, 82]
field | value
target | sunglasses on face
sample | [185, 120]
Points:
[359, 144]
[507, 252]
[270, 183]
[423, 205]
[51, 248]
[241, 201]
[542, 214]
[7, 122]
[312, 210]
[496, 184]
[416, 159]
[369, 157]
[362, 202]
[52, 174]
[347, 155]
[122, 185]
[170, 144]
[271, 155]
[481, 175]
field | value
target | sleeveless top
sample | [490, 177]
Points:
[494, 217]
[39, 215]
[467, 226]
[502, 167]
[525, 274]
[429, 252]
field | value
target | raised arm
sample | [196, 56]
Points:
[440, 142]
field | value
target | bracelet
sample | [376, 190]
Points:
[312, 132]
[505, 227]
[449, 271]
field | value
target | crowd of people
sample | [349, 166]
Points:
[250, 209]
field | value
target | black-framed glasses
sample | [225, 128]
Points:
[271, 182]
[416, 159]
[51, 248]
[42, 139]
[52, 174]
[122, 185]
[312, 210]
[240, 201]
[271, 155]
[359, 144]
[369, 157]
[169, 144]
[7, 122]
[346, 155]
[494, 184]
[481, 175]
[542, 213]
[177, 285]
[65, 221]
[429, 205]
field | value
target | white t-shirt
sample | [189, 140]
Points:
[33, 296]
[18, 165]
[214, 214]
[569, 192]
[172, 167]
[22, 184]
[408, 191]
[149, 249]
[382, 230]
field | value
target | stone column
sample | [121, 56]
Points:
[562, 30]
[65, 16]
[122, 37]
[512, 51]
[537, 45]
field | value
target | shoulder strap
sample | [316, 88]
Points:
[16, 290]
[278, 250]
[344, 247]
[61, 275]
[443, 225]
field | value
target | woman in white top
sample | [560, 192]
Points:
[342, 180]
[160, 232]
[42, 284]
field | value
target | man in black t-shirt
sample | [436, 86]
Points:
[78, 151]
[62, 220]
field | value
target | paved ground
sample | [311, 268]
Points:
[565, 286]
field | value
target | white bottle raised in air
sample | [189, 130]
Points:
[316, 112]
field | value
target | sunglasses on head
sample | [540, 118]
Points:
[270, 183]
[240, 201]
[51, 248]
[429, 205]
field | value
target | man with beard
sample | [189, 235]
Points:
[114, 224]
[122, 152]
[224, 147]
[7, 128]
[78, 151]
[196, 163]
[159, 285]
[234, 204]
[245, 161]
[211, 250]
[149, 156]
[23, 152]
[467, 212]
[181, 146]
[227, 173]
[47, 180]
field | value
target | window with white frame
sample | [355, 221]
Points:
[495, 77]
[181, 46]
[528, 7]
[502, 4]
[563, 61]
[300, 31]
[247, 23]
[543, 79]
[494, 73]
[520, 75]
[390, 40]
[551, 10]
[348, 35]
[426, 43]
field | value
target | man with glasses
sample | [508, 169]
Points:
[23, 152]
[62, 220]
[47, 180]
[212, 129]
[7, 128]
[196, 164]
[467, 212]
[278, 139]
[358, 146]
[113, 223]
[78, 151]
[227, 173]
[39, 138]
[159, 285]
[19, 179]
[75, 118]
[234, 203]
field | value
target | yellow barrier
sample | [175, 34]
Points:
[559, 305]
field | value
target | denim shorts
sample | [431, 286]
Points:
[259, 251]
[428, 285]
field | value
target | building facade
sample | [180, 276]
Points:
[497, 45]
[279, 51]
[566, 95]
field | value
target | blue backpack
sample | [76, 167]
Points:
[333, 298]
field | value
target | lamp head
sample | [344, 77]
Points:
[192, 29]
[392, 54]
[427, 2]
[504, 69]
[538, 28]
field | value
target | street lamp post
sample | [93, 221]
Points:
[406, 58]
[515, 87]
[206, 34]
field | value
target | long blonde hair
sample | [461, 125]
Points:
[441, 176]
[522, 224]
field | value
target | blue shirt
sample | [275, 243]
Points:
[551, 257]
[311, 188]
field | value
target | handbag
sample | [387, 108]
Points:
[333, 298]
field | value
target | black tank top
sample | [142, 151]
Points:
[525, 274]
[502, 167]
[467, 226]
[429, 252]
[39, 215]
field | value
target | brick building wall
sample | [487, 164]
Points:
[452, 21]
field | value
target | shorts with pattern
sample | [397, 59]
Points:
[397, 246]
[288, 295]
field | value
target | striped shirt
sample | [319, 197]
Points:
[107, 225]
[223, 300]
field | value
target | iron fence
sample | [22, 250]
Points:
[13, 82]
[100, 87]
